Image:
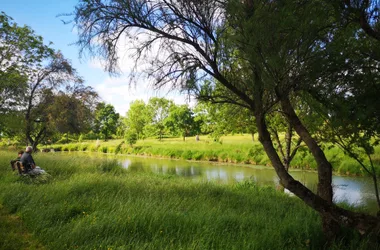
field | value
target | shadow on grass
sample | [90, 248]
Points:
[14, 235]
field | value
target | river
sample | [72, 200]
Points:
[355, 191]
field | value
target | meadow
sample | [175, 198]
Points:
[231, 148]
[90, 203]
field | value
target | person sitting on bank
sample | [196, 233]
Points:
[19, 154]
[27, 159]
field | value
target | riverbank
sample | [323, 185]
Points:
[91, 203]
[231, 149]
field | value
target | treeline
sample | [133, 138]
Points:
[44, 100]
[72, 119]
[161, 118]
[41, 94]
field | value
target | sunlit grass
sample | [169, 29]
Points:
[13, 234]
[91, 203]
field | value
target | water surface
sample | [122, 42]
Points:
[355, 191]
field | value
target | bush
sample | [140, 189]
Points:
[211, 156]
[118, 148]
[66, 139]
[73, 147]
[65, 147]
[83, 147]
[223, 156]
[57, 147]
[93, 147]
[350, 167]
[199, 155]
[131, 137]
[103, 149]
[187, 155]
[256, 153]
[90, 136]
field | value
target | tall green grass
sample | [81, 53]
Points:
[13, 235]
[96, 204]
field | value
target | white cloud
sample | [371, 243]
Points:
[121, 91]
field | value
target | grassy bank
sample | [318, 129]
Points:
[232, 149]
[13, 234]
[96, 204]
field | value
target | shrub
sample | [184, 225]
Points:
[257, 153]
[211, 156]
[187, 155]
[309, 162]
[131, 137]
[223, 156]
[57, 147]
[350, 167]
[73, 147]
[118, 148]
[198, 155]
[90, 136]
[111, 149]
[93, 148]
[103, 149]
[83, 147]
[65, 147]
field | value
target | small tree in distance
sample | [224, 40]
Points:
[106, 119]
[131, 137]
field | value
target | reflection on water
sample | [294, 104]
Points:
[356, 191]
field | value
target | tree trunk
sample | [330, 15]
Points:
[324, 190]
[331, 214]
[288, 146]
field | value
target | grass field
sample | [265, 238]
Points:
[88, 203]
[232, 149]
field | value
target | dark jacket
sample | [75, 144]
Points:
[27, 160]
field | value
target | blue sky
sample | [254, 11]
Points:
[41, 16]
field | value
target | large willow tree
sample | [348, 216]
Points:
[256, 54]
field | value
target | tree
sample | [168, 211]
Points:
[106, 119]
[131, 137]
[181, 120]
[42, 82]
[71, 110]
[220, 119]
[363, 12]
[287, 147]
[30, 73]
[352, 112]
[20, 49]
[12, 125]
[157, 110]
[137, 117]
[259, 53]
